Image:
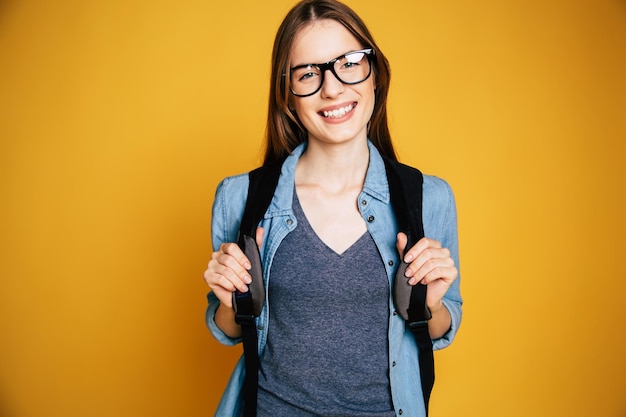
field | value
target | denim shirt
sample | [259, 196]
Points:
[440, 223]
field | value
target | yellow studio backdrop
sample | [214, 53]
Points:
[118, 118]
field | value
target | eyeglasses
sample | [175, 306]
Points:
[351, 68]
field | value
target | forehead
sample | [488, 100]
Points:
[320, 41]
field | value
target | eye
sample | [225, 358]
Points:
[352, 60]
[306, 74]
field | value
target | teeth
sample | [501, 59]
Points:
[339, 112]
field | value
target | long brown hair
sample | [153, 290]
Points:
[284, 129]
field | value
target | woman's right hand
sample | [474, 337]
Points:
[228, 271]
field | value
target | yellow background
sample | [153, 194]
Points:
[118, 118]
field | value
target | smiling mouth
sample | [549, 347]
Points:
[338, 113]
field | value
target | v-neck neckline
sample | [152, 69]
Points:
[301, 216]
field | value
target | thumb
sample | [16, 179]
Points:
[401, 243]
[259, 236]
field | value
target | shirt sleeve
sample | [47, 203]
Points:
[440, 223]
[225, 220]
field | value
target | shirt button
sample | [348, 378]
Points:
[395, 313]
[390, 263]
[289, 222]
[364, 202]
[370, 219]
[400, 412]
[393, 363]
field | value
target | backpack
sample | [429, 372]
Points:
[410, 301]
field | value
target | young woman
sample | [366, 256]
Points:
[330, 341]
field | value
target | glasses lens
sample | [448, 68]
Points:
[353, 67]
[306, 80]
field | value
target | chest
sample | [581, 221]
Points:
[306, 268]
[334, 217]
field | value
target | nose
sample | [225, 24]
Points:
[331, 86]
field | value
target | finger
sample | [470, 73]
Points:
[219, 282]
[435, 269]
[401, 243]
[428, 259]
[233, 250]
[428, 254]
[219, 275]
[421, 245]
[260, 232]
[225, 264]
[223, 293]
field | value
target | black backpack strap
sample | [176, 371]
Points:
[248, 305]
[261, 186]
[405, 188]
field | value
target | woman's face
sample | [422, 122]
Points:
[338, 112]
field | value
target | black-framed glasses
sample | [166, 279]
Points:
[351, 68]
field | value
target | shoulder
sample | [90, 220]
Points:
[231, 195]
[232, 187]
[228, 206]
[437, 188]
[438, 207]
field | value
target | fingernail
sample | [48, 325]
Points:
[408, 258]
[247, 265]
[247, 279]
[408, 273]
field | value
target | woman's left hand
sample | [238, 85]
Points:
[431, 265]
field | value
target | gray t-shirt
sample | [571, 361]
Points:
[327, 349]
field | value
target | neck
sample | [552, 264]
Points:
[337, 166]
